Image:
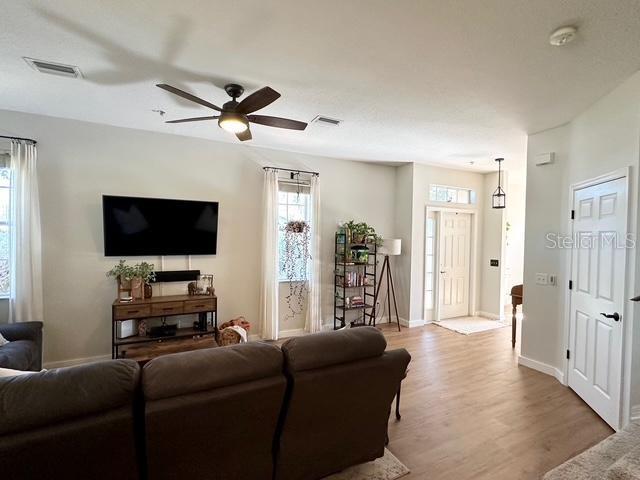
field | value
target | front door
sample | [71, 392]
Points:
[455, 246]
[597, 296]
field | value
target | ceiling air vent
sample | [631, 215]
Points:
[326, 121]
[54, 68]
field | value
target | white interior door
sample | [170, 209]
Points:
[454, 259]
[598, 277]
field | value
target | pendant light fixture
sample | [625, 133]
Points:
[498, 200]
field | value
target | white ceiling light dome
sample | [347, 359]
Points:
[563, 35]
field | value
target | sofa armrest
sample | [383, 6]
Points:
[25, 331]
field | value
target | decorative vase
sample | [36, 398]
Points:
[137, 288]
[148, 290]
[142, 328]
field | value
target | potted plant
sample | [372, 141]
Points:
[146, 272]
[361, 232]
[133, 278]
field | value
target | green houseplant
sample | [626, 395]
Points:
[360, 232]
[134, 279]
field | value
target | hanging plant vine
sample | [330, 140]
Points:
[297, 240]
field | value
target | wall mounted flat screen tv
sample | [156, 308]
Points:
[153, 226]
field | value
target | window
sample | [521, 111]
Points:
[291, 206]
[429, 263]
[444, 194]
[5, 190]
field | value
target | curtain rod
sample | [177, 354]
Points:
[290, 170]
[20, 138]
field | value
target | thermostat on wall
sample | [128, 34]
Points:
[545, 158]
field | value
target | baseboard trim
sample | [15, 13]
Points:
[489, 315]
[419, 322]
[541, 367]
[295, 332]
[76, 361]
[635, 412]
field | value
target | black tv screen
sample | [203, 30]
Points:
[154, 226]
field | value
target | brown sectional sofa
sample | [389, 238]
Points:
[219, 408]
[341, 387]
[252, 411]
[70, 423]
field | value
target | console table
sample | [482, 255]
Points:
[143, 348]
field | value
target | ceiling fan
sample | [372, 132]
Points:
[235, 117]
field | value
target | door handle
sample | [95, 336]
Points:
[614, 315]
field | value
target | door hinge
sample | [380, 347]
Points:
[568, 354]
[570, 284]
[573, 214]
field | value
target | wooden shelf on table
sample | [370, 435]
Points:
[180, 333]
[358, 307]
[143, 352]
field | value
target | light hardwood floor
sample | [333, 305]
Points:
[470, 412]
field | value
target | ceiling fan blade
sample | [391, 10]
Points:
[244, 136]
[257, 100]
[188, 96]
[194, 119]
[277, 122]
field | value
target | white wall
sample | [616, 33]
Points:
[515, 213]
[402, 265]
[79, 161]
[603, 138]
[491, 290]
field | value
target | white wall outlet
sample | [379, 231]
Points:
[552, 280]
[542, 279]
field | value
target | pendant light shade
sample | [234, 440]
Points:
[499, 198]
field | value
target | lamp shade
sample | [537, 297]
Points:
[391, 246]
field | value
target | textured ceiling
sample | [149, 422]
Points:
[444, 82]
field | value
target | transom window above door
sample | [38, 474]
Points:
[447, 194]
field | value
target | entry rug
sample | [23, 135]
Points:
[469, 325]
[387, 467]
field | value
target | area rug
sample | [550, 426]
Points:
[387, 467]
[615, 458]
[469, 325]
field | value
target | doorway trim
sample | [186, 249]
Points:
[473, 268]
[627, 308]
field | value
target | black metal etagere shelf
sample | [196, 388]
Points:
[353, 278]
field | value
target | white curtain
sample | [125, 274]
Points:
[313, 322]
[25, 247]
[269, 280]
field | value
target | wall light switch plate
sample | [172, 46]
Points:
[552, 280]
[542, 279]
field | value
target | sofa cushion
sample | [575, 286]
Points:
[44, 398]
[18, 355]
[172, 375]
[332, 348]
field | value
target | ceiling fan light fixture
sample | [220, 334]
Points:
[233, 123]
